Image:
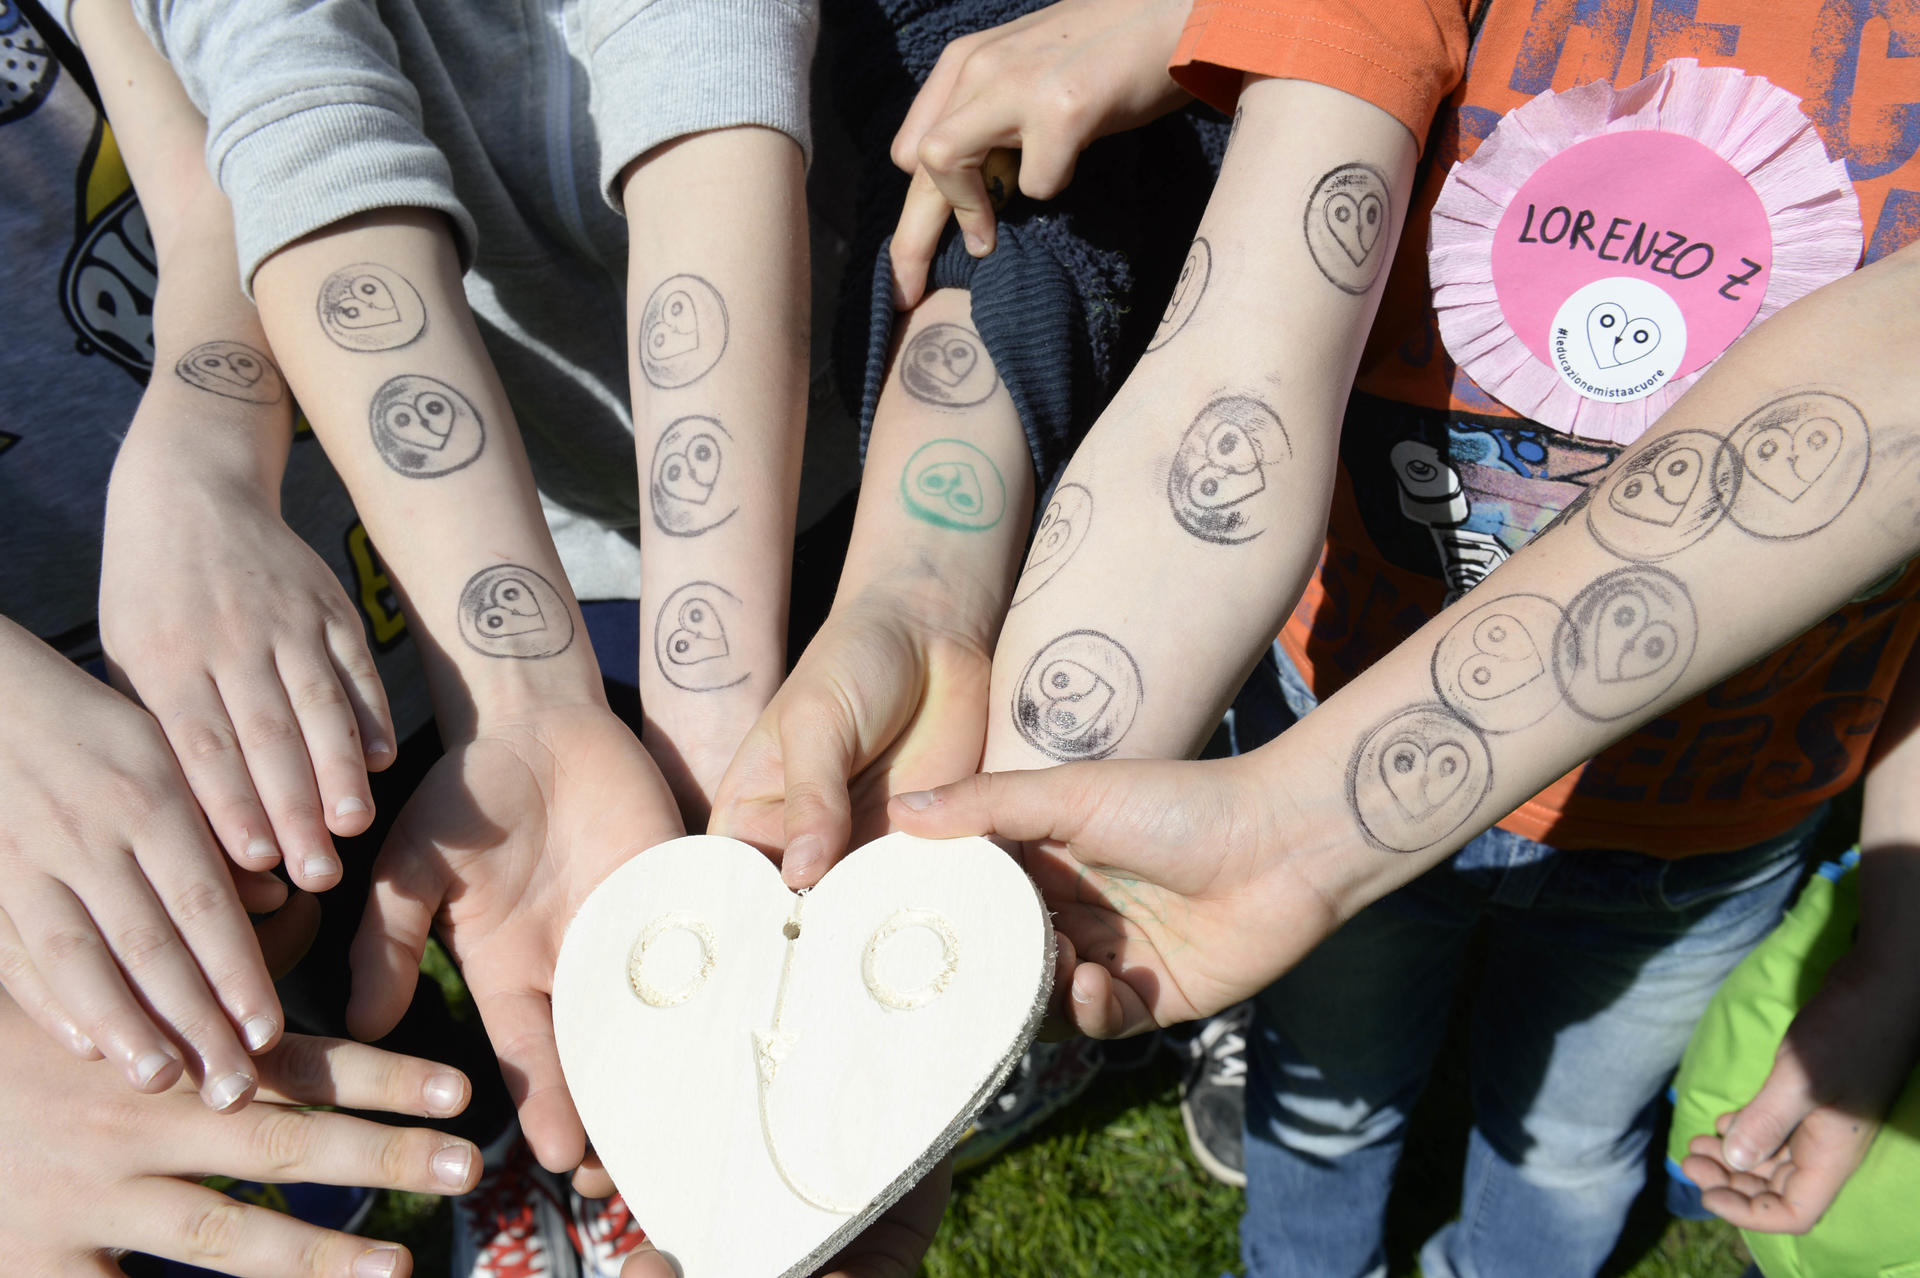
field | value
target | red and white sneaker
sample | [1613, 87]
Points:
[607, 1234]
[512, 1224]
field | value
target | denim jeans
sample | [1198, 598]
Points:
[1597, 966]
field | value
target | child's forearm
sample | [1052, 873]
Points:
[374, 334]
[718, 360]
[1890, 837]
[1789, 471]
[948, 489]
[216, 402]
[1192, 516]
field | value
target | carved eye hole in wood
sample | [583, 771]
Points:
[671, 960]
[900, 967]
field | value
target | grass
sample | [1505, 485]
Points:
[1108, 1189]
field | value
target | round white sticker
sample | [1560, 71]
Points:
[1618, 339]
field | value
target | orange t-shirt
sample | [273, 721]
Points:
[1439, 482]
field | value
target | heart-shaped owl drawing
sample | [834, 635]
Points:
[763, 1073]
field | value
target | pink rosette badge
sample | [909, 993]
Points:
[1604, 246]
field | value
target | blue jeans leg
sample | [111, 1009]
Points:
[1341, 1049]
[1591, 990]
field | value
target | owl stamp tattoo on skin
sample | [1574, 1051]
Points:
[423, 427]
[690, 641]
[1801, 460]
[685, 481]
[946, 365]
[683, 332]
[511, 611]
[951, 484]
[232, 369]
[1215, 483]
[1346, 226]
[1417, 778]
[1624, 641]
[1663, 498]
[1063, 526]
[369, 307]
[1194, 273]
[1491, 668]
[1078, 697]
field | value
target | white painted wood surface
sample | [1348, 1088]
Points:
[759, 1097]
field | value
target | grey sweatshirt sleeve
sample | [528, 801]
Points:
[664, 68]
[309, 118]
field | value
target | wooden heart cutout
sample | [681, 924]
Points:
[764, 1073]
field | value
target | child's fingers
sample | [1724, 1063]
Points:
[930, 103]
[161, 969]
[1763, 1124]
[304, 1070]
[519, 1021]
[1105, 1007]
[286, 936]
[275, 1143]
[277, 759]
[184, 870]
[260, 893]
[67, 950]
[177, 1220]
[1047, 161]
[409, 883]
[953, 151]
[923, 216]
[331, 730]
[203, 740]
[32, 995]
[347, 643]
[818, 748]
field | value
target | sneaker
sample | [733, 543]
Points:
[512, 1224]
[1213, 1100]
[1047, 1080]
[607, 1234]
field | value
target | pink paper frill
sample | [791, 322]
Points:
[1755, 125]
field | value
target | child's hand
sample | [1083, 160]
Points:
[117, 911]
[883, 699]
[1779, 1161]
[1171, 893]
[499, 846]
[240, 641]
[91, 1170]
[1047, 84]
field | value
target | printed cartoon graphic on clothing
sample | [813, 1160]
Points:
[27, 68]
[108, 282]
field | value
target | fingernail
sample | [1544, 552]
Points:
[227, 1091]
[261, 850]
[379, 747]
[1741, 1156]
[452, 1166]
[148, 1067]
[918, 800]
[976, 245]
[348, 806]
[318, 867]
[442, 1093]
[257, 1031]
[80, 1042]
[802, 857]
[378, 1263]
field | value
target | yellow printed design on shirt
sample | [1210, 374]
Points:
[108, 282]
